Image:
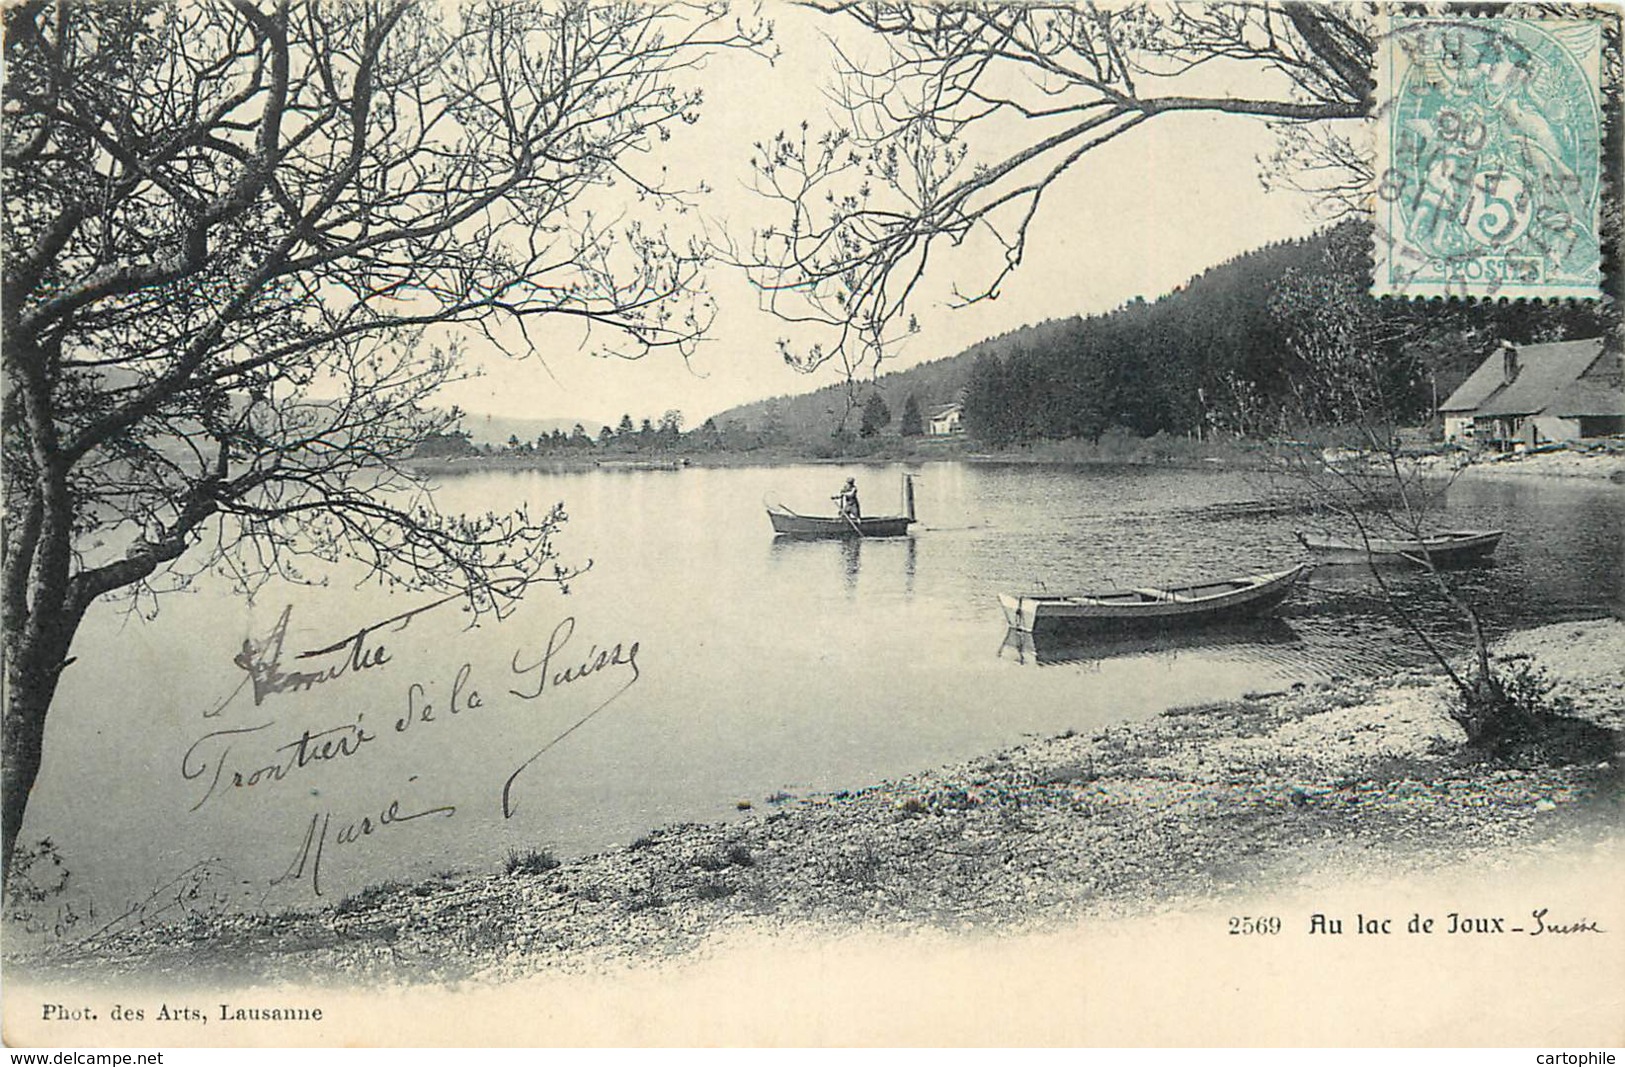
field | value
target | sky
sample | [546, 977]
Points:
[1136, 217]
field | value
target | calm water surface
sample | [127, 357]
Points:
[762, 667]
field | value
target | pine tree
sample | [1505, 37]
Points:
[876, 416]
[911, 425]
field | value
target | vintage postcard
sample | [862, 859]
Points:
[863, 524]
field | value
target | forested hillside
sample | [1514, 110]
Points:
[1229, 352]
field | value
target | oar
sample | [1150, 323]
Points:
[841, 510]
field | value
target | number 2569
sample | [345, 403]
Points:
[1255, 924]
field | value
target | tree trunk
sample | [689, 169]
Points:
[33, 666]
[41, 612]
[36, 623]
[44, 606]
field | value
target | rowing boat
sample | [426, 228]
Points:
[788, 523]
[1444, 549]
[1182, 605]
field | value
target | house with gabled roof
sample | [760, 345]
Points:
[946, 419]
[1534, 394]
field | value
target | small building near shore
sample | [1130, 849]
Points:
[1538, 394]
[946, 419]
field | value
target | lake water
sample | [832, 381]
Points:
[763, 667]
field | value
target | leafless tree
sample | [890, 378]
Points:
[1358, 367]
[968, 114]
[242, 238]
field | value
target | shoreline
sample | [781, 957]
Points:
[1565, 464]
[1197, 806]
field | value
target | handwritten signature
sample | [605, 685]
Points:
[237, 758]
[211, 756]
[211, 751]
[262, 659]
[596, 660]
[307, 862]
[1582, 926]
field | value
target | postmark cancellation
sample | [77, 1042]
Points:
[1489, 161]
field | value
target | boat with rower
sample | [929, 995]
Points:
[787, 523]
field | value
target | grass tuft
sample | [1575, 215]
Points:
[364, 900]
[530, 861]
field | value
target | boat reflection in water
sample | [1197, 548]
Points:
[810, 555]
[1263, 639]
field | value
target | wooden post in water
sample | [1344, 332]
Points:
[908, 496]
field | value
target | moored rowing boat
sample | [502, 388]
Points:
[1184, 605]
[1445, 548]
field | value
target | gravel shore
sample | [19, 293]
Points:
[1606, 466]
[1202, 804]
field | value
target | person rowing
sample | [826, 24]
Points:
[846, 501]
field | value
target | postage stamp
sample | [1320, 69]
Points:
[1488, 158]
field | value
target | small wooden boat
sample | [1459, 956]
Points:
[789, 524]
[1444, 549]
[1183, 605]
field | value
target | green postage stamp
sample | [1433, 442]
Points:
[1489, 158]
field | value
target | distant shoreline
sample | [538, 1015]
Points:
[1146, 452]
[1171, 453]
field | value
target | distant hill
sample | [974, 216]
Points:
[1211, 354]
[494, 430]
[1248, 347]
[1233, 290]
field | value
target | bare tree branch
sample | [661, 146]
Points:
[914, 166]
